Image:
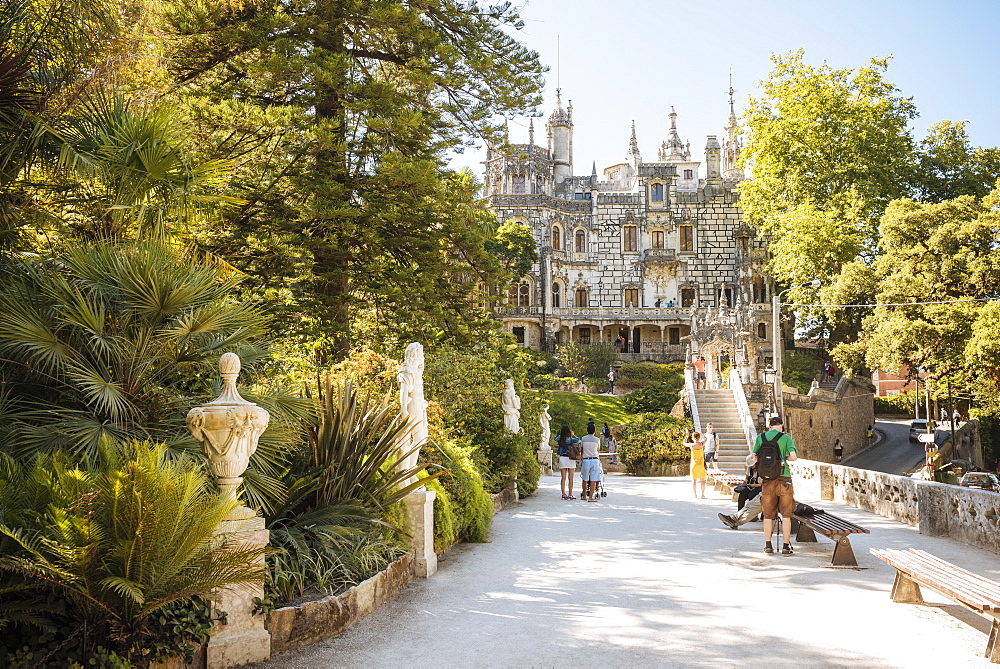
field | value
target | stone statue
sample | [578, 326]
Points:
[511, 407]
[228, 430]
[412, 405]
[543, 420]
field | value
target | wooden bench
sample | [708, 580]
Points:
[724, 482]
[833, 527]
[915, 568]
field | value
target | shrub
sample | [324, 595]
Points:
[657, 396]
[467, 384]
[651, 440]
[896, 405]
[989, 432]
[798, 370]
[549, 382]
[113, 548]
[471, 505]
[589, 360]
[639, 374]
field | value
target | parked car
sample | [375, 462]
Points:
[918, 426]
[981, 480]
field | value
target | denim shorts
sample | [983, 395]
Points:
[591, 469]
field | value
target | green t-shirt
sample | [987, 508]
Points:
[785, 445]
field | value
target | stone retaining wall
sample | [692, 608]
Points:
[936, 509]
[293, 627]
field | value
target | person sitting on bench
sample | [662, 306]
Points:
[749, 499]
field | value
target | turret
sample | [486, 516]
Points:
[560, 130]
[713, 158]
[633, 157]
[672, 149]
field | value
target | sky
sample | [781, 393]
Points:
[625, 60]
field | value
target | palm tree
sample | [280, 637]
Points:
[107, 343]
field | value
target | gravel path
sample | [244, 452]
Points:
[650, 577]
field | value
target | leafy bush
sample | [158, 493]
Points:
[639, 374]
[657, 396]
[548, 382]
[111, 549]
[989, 432]
[896, 405]
[471, 505]
[589, 360]
[798, 370]
[467, 385]
[650, 440]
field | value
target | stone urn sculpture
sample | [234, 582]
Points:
[228, 429]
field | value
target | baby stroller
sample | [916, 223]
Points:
[601, 492]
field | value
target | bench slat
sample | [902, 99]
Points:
[827, 523]
[974, 591]
[949, 573]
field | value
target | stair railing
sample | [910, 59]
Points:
[689, 387]
[746, 418]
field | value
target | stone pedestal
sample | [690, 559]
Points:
[420, 513]
[243, 639]
[545, 460]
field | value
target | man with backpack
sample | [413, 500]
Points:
[774, 450]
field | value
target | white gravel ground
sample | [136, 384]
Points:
[650, 577]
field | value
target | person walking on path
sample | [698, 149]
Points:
[711, 447]
[590, 472]
[777, 494]
[699, 368]
[695, 442]
[567, 466]
[606, 433]
[611, 382]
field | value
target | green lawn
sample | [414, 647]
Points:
[574, 409]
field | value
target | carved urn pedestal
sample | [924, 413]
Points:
[228, 429]
[420, 513]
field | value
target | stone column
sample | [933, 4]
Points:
[228, 429]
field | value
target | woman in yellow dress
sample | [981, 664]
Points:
[696, 442]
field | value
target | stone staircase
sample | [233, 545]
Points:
[718, 407]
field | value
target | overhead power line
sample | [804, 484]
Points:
[892, 304]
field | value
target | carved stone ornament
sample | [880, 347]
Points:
[228, 430]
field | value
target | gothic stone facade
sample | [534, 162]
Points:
[632, 252]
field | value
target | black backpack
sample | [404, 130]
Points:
[769, 463]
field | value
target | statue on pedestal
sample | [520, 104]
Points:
[511, 407]
[543, 419]
[412, 405]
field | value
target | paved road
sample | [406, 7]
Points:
[895, 455]
[650, 577]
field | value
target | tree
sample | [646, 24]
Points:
[341, 111]
[514, 245]
[829, 148]
[949, 166]
[938, 268]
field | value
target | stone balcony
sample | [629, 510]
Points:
[610, 314]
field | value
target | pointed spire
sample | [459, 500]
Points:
[506, 131]
[531, 131]
[672, 149]
[593, 170]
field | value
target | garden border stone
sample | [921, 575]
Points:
[292, 627]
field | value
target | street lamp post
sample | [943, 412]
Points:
[776, 344]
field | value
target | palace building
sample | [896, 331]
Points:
[653, 251]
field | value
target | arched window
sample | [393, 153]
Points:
[556, 294]
[581, 297]
[556, 238]
[762, 330]
[656, 236]
[524, 294]
[581, 241]
[656, 192]
[630, 238]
